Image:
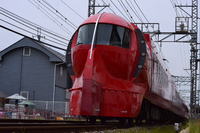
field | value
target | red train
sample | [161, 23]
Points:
[117, 73]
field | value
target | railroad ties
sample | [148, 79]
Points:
[51, 126]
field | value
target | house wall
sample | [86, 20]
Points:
[61, 72]
[37, 75]
[33, 74]
[10, 68]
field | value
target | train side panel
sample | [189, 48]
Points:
[163, 91]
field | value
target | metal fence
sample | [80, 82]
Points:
[56, 106]
[38, 110]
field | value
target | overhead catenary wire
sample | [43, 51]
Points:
[136, 14]
[109, 7]
[119, 10]
[136, 3]
[54, 12]
[174, 7]
[72, 9]
[57, 13]
[125, 10]
[132, 7]
[179, 13]
[51, 17]
[134, 11]
[140, 10]
[177, 2]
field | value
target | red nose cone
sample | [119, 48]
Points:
[108, 18]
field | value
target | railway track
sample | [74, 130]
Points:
[55, 126]
[52, 126]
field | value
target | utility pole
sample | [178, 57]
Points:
[92, 5]
[194, 97]
[194, 59]
[39, 34]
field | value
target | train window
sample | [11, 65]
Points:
[106, 34]
[126, 39]
[85, 34]
[103, 37]
[117, 36]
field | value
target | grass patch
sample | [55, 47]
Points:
[194, 126]
[161, 129]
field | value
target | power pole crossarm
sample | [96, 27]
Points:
[92, 5]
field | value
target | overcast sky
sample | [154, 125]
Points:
[160, 11]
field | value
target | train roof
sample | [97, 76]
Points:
[108, 18]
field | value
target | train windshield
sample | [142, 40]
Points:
[106, 34]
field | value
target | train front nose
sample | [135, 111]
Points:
[99, 66]
[106, 64]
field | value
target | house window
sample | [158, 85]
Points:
[26, 51]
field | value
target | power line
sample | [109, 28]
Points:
[72, 9]
[174, 7]
[52, 18]
[178, 12]
[125, 10]
[109, 7]
[52, 11]
[17, 27]
[30, 23]
[29, 27]
[134, 11]
[24, 21]
[6, 28]
[132, 7]
[28, 32]
[140, 11]
[55, 13]
[58, 14]
[137, 14]
[119, 10]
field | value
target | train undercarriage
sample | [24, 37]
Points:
[150, 114]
